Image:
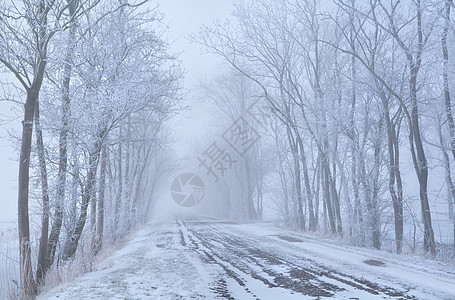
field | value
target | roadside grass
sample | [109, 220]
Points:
[9, 261]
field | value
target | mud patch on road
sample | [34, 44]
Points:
[221, 290]
[307, 284]
[374, 262]
[289, 239]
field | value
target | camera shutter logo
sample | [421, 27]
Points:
[187, 189]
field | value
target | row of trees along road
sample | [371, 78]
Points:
[98, 84]
[354, 88]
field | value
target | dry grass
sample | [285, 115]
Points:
[9, 261]
[84, 262]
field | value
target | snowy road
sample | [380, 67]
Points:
[209, 259]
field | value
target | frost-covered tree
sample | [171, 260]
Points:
[349, 86]
[98, 68]
[27, 30]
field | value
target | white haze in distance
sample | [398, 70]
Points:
[185, 17]
[8, 157]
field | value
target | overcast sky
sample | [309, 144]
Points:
[183, 17]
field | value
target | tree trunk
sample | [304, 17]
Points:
[100, 207]
[45, 196]
[417, 150]
[316, 188]
[27, 282]
[283, 179]
[72, 240]
[127, 178]
[306, 178]
[26, 274]
[395, 182]
[93, 204]
[135, 182]
[297, 180]
[445, 76]
[337, 204]
[448, 104]
[118, 197]
[54, 235]
[141, 173]
[328, 204]
[376, 217]
[358, 213]
[252, 215]
[420, 164]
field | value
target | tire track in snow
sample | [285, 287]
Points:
[302, 276]
[195, 244]
[318, 269]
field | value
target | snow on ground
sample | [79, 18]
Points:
[199, 258]
[152, 265]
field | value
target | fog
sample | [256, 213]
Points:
[274, 149]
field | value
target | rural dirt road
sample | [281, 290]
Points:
[201, 258]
